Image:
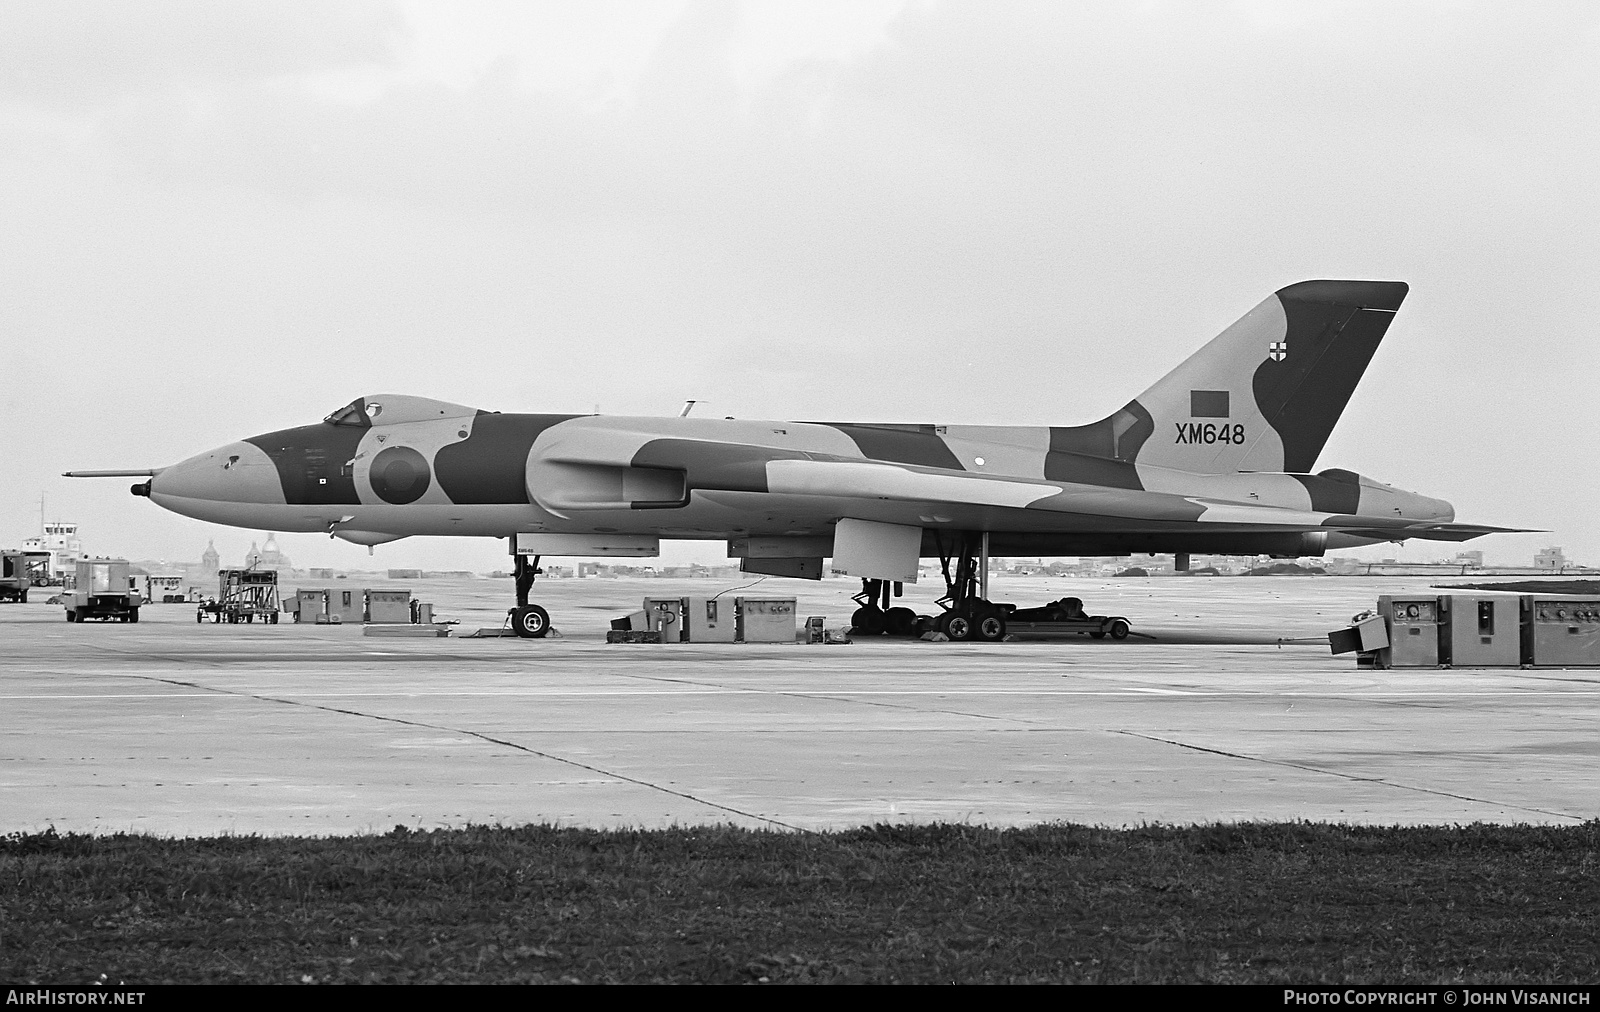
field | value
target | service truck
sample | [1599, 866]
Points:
[103, 590]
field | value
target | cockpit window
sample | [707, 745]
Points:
[357, 413]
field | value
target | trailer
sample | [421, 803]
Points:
[102, 590]
[166, 588]
[243, 595]
[1065, 617]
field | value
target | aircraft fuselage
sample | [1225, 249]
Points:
[397, 466]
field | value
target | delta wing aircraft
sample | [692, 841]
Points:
[1216, 457]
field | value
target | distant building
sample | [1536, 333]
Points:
[1550, 558]
[1470, 559]
[320, 574]
[405, 574]
[269, 557]
[61, 541]
[210, 561]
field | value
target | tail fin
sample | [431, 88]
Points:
[1265, 393]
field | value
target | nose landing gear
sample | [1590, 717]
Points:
[527, 620]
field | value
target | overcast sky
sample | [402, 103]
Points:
[219, 219]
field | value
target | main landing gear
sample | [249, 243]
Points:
[966, 616]
[527, 620]
[876, 616]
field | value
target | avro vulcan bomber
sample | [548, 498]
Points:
[1216, 457]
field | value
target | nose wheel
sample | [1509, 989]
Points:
[527, 620]
[531, 621]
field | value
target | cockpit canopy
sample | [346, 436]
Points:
[393, 409]
[354, 413]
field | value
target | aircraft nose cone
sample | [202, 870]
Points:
[236, 473]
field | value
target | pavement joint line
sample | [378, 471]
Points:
[489, 738]
[179, 661]
[837, 698]
[1347, 776]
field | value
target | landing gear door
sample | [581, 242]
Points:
[876, 551]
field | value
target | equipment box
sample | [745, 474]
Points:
[665, 616]
[389, 607]
[637, 621]
[710, 620]
[1366, 636]
[165, 589]
[1483, 631]
[766, 619]
[1413, 631]
[308, 605]
[345, 605]
[1561, 631]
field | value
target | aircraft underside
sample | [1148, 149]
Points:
[735, 516]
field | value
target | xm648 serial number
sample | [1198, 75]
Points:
[1209, 432]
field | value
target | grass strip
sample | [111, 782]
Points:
[1280, 902]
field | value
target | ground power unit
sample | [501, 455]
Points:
[323, 607]
[713, 620]
[710, 619]
[1413, 631]
[1561, 631]
[389, 607]
[308, 606]
[664, 615]
[1481, 630]
[767, 619]
[1478, 630]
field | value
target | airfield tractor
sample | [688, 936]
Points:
[103, 590]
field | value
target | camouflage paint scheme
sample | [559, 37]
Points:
[1215, 457]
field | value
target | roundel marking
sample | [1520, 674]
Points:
[399, 475]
